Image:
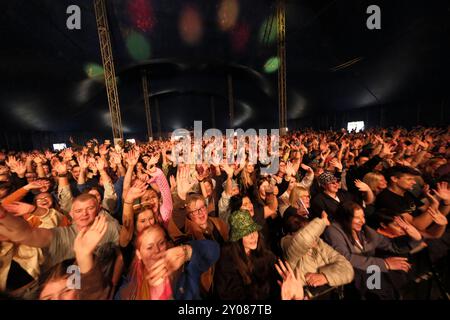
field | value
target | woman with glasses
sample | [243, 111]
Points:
[299, 202]
[21, 263]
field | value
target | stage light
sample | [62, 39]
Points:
[227, 14]
[141, 14]
[190, 25]
[131, 140]
[272, 65]
[268, 31]
[138, 47]
[93, 70]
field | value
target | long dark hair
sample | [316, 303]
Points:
[255, 268]
[344, 216]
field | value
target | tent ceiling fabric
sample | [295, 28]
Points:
[52, 77]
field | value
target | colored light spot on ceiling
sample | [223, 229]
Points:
[268, 31]
[190, 25]
[93, 70]
[141, 14]
[272, 65]
[239, 37]
[228, 14]
[138, 47]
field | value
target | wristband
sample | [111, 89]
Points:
[186, 254]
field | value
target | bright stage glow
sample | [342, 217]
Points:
[272, 65]
[228, 14]
[131, 140]
[355, 125]
[93, 70]
[190, 25]
[138, 47]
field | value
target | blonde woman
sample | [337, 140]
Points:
[376, 181]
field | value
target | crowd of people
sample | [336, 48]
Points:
[131, 222]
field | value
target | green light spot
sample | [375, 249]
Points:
[93, 70]
[138, 46]
[268, 31]
[272, 65]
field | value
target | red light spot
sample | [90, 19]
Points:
[141, 14]
[239, 37]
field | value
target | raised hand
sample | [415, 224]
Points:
[306, 168]
[409, 229]
[386, 152]
[49, 155]
[336, 164]
[103, 150]
[83, 162]
[60, 167]
[443, 191]
[67, 154]
[38, 159]
[136, 191]
[37, 184]
[19, 208]
[18, 167]
[11, 162]
[290, 170]
[398, 263]
[89, 238]
[363, 187]
[100, 164]
[437, 216]
[184, 184]
[116, 158]
[228, 170]
[132, 157]
[154, 159]
[291, 286]
[434, 203]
